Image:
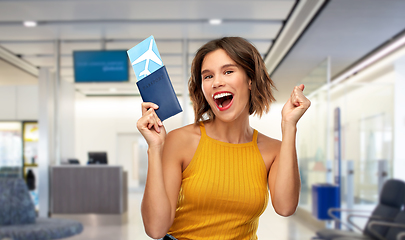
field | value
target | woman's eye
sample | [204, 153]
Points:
[207, 77]
[228, 72]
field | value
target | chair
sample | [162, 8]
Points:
[394, 232]
[401, 236]
[391, 200]
[18, 219]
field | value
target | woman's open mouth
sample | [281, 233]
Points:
[223, 100]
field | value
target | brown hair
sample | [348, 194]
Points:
[246, 56]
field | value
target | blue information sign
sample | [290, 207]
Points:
[101, 66]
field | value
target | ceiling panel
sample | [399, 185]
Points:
[105, 24]
[345, 31]
[16, 10]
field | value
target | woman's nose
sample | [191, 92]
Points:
[218, 82]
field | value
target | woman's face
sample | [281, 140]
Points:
[225, 85]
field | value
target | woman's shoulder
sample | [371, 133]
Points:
[190, 130]
[269, 147]
[263, 139]
[182, 142]
[183, 136]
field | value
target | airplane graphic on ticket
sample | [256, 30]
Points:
[145, 58]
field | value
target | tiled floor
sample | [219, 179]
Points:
[271, 227]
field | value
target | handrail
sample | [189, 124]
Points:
[388, 224]
[330, 210]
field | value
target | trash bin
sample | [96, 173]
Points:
[325, 196]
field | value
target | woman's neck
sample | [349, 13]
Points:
[231, 132]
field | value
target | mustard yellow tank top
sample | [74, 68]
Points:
[223, 191]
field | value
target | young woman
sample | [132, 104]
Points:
[210, 179]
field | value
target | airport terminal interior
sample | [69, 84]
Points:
[70, 102]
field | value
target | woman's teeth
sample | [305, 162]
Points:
[222, 95]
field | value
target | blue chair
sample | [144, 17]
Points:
[18, 219]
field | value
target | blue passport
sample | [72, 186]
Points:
[152, 78]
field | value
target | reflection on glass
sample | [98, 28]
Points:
[312, 135]
[10, 149]
[31, 134]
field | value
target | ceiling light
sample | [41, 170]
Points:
[30, 23]
[215, 21]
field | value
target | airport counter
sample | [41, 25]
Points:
[99, 189]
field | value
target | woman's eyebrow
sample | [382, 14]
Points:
[224, 66]
[204, 71]
[229, 65]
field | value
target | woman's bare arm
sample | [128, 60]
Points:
[158, 203]
[284, 180]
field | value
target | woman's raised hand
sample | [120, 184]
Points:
[295, 107]
[150, 125]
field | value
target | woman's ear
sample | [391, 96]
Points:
[250, 84]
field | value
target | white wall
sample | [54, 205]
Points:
[8, 102]
[100, 119]
[270, 123]
[19, 102]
